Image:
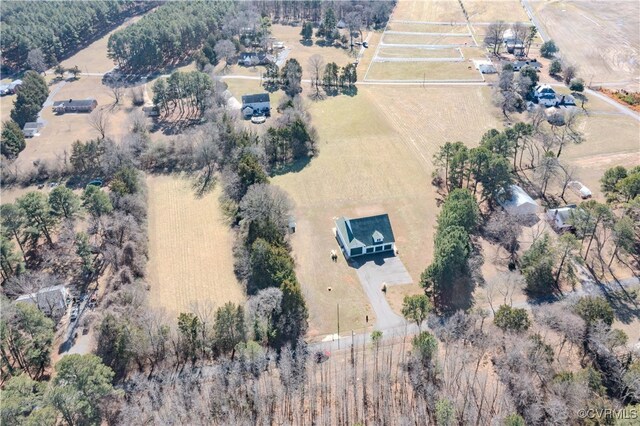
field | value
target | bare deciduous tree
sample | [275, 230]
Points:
[99, 120]
[117, 93]
[316, 66]
[494, 36]
[37, 61]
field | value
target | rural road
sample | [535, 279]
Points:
[623, 109]
[541, 31]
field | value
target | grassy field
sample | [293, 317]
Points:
[411, 52]
[433, 11]
[423, 70]
[190, 259]
[6, 105]
[427, 28]
[443, 40]
[601, 38]
[495, 10]
[375, 157]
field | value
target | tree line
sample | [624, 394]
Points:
[58, 29]
[373, 14]
[168, 36]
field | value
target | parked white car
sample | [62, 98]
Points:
[579, 188]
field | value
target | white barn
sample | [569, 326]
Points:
[520, 203]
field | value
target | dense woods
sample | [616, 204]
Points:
[58, 29]
[167, 36]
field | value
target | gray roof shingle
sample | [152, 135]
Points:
[258, 97]
[360, 232]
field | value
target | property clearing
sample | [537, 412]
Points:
[190, 259]
[375, 156]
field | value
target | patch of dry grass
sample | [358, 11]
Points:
[427, 28]
[423, 70]
[601, 38]
[431, 11]
[401, 52]
[427, 40]
[495, 10]
[190, 259]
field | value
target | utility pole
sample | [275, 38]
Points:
[338, 306]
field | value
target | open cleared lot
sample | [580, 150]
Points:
[375, 157]
[190, 259]
[495, 10]
[414, 52]
[431, 11]
[432, 40]
[444, 71]
[601, 38]
[427, 28]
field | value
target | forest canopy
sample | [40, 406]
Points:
[58, 28]
[168, 35]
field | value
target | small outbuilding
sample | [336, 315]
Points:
[365, 235]
[51, 301]
[31, 129]
[258, 104]
[74, 105]
[518, 203]
[487, 69]
[560, 218]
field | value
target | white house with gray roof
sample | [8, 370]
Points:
[256, 104]
[365, 235]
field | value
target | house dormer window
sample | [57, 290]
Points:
[377, 237]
